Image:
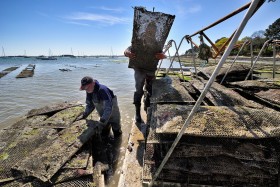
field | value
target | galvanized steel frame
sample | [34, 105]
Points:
[254, 5]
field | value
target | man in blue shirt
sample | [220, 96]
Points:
[101, 98]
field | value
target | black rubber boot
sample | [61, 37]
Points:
[117, 133]
[138, 118]
[106, 131]
[146, 101]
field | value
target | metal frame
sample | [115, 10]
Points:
[254, 5]
[201, 32]
[274, 42]
[246, 42]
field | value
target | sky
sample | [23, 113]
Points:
[104, 27]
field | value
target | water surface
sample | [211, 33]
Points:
[49, 85]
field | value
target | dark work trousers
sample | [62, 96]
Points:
[114, 120]
[143, 83]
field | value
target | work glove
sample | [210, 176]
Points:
[160, 56]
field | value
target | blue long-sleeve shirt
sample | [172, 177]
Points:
[102, 99]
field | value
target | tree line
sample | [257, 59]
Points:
[258, 39]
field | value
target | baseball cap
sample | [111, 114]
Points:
[85, 81]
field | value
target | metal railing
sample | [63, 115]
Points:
[251, 10]
[246, 42]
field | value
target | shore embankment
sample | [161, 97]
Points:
[242, 59]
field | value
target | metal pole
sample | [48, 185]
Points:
[265, 43]
[207, 86]
[176, 53]
[181, 69]
[233, 61]
[252, 55]
[159, 67]
[222, 19]
[274, 55]
[193, 58]
[169, 44]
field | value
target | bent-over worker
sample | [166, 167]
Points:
[103, 99]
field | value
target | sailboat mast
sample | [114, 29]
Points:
[112, 54]
[3, 52]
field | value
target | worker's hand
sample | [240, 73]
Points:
[129, 54]
[81, 172]
[160, 56]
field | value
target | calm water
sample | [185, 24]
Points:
[49, 85]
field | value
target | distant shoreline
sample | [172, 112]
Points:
[242, 59]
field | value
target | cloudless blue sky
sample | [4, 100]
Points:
[94, 27]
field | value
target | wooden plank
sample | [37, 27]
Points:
[133, 160]
[45, 161]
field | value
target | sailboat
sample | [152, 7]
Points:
[50, 57]
[112, 54]
[25, 56]
[3, 53]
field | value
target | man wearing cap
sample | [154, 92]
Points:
[103, 99]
